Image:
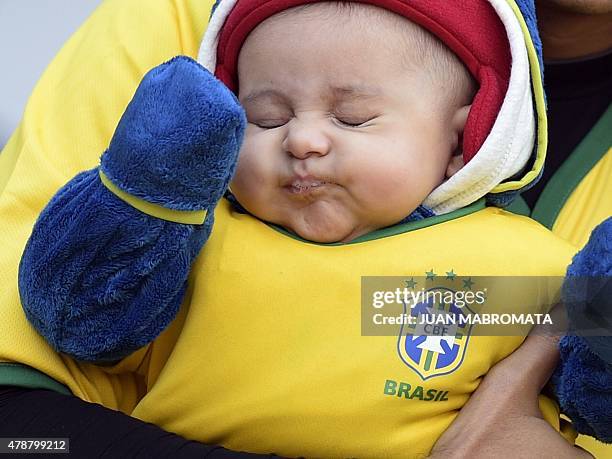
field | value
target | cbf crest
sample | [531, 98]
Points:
[434, 339]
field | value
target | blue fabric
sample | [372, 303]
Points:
[528, 12]
[508, 197]
[214, 8]
[583, 385]
[98, 278]
[420, 213]
[583, 378]
[178, 140]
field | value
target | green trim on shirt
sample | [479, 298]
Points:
[580, 162]
[396, 229]
[15, 374]
[519, 207]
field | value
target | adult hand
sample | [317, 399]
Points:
[502, 418]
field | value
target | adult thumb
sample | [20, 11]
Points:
[531, 365]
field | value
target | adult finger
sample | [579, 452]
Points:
[530, 366]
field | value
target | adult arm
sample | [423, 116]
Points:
[93, 430]
[503, 418]
[504, 414]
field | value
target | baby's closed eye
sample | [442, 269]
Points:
[268, 118]
[265, 113]
[269, 123]
[353, 121]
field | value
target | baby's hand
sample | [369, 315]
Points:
[102, 273]
[177, 142]
[583, 380]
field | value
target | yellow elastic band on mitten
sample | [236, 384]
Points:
[187, 217]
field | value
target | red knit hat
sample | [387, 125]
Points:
[470, 28]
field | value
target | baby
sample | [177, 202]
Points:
[365, 131]
[360, 123]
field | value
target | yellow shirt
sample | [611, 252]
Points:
[588, 205]
[272, 357]
[67, 124]
[579, 196]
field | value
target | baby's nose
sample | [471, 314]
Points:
[305, 139]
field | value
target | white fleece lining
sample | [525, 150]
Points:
[207, 56]
[508, 146]
[506, 149]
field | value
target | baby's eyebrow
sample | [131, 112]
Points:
[338, 94]
[355, 93]
[263, 94]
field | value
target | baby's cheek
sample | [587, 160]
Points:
[393, 192]
[245, 176]
[255, 175]
[386, 180]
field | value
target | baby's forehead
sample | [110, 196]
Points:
[345, 95]
[354, 38]
[367, 25]
[346, 14]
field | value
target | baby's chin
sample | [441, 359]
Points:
[314, 234]
[324, 227]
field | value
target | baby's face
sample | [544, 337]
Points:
[342, 138]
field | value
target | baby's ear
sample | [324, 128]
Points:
[454, 165]
[458, 124]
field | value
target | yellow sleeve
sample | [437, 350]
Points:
[67, 124]
[74, 108]
[589, 204]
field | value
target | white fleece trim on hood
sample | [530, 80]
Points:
[207, 56]
[508, 146]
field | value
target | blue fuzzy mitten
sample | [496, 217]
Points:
[100, 278]
[583, 379]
